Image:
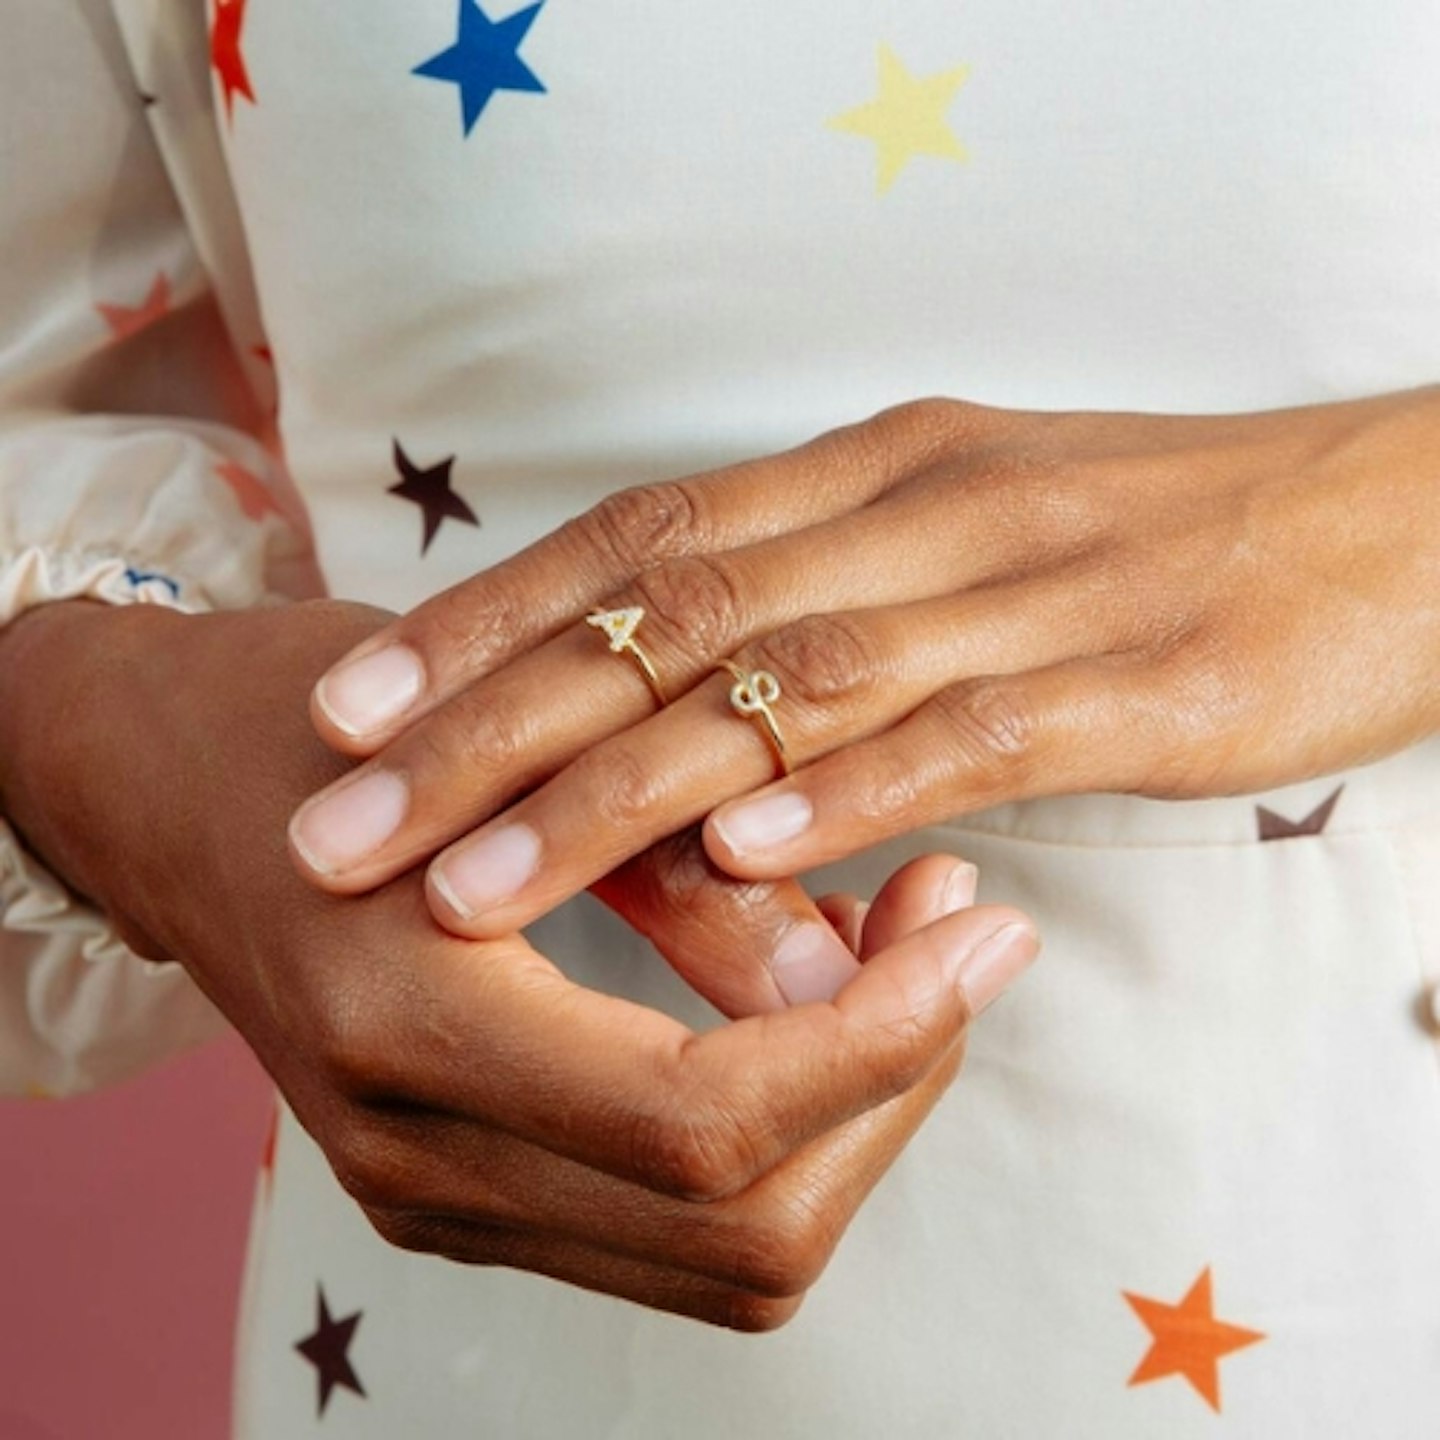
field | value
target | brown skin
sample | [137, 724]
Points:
[963, 606]
[475, 1103]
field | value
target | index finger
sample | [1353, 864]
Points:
[509, 1041]
[424, 658]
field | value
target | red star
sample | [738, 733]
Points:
[253, 494]
[267, 1155]
[1188, 1339]
[127, 320]
[225, 57]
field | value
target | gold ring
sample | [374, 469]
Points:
[751, 697]
[619, 627]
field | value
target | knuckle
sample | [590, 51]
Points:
[884, 785]
[1069, 514]
[993, 724]
[622, 788]
[928, 415]
[691, 1150]
[490, 735]
[463, 631]
[370, 1169]
[1196, 721]
[824, 661]
[755, 1314]
[342, 1040]
[925, 429]
[784, 1251]
[413, 1231]
[630, 528]
[696, 600]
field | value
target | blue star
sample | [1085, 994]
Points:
[485, 59]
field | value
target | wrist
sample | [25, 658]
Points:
[58, 663]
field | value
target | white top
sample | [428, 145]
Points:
[676, 235]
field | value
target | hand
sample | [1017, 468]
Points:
[475, 1102]
[961, 606]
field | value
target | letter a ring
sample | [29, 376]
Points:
[751, 697]
[619, 627]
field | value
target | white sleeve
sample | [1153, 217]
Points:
[134, 467]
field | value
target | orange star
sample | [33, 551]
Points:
[1189, 1340]
[225, 56]
[253, 494]
[127, 320]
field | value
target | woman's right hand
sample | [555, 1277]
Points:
[475, 1102]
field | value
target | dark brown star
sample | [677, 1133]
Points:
[328, 1350]
[431, 491]
[1277, 827]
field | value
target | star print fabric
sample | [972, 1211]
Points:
[461, 267]
[123, 422]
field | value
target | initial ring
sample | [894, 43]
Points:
[751, 697]
[618, 627]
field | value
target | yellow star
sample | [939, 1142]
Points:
[907, 118]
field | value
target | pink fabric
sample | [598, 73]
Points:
[122, 1233]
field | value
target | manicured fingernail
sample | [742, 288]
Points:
[488, 870]
[336, 830]
[759, 824]
[989, 969]
[960, 885]
[366, 694]
[812, 963]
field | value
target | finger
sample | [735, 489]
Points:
[918, 894]
[506, 734]
[746, 948]
[840, 678]
[656, 1287]
[415, 664]
[772, 1238]
[846, 916]
[1086, 726]
[500, 1035]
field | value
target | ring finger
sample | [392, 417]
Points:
[841, 678]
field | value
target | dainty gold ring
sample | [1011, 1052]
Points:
[751, 697]
[619, 627]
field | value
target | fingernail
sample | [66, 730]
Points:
[811, 963]
[993, 965]
[488, 870]
[760, 824]
[367, 694]
[336, 830]
[960, 886]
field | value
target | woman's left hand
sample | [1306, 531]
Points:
[959, 606]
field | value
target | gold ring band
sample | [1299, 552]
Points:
[618, 628]
[751, 697]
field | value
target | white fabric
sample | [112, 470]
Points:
[666, 260]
